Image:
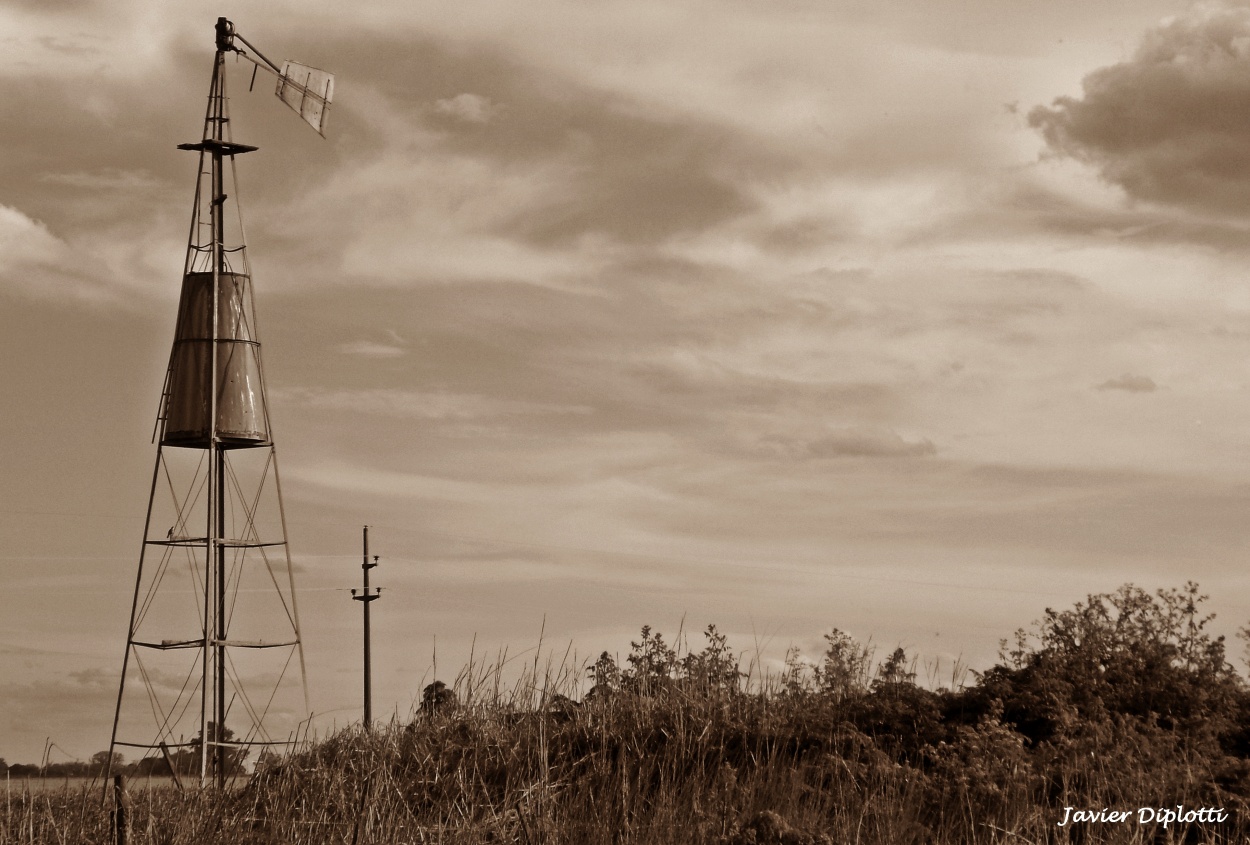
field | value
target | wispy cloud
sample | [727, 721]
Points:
[472, 108]
[372, 349]
[36, 262]
[420, 405]
[1130, 384]
[106, 179]
[852, 443]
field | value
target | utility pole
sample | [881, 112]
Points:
[366, 597]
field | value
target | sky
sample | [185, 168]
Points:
[910, 319]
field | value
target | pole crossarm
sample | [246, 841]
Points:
[165, 645]
[212, 742]
[216, 147]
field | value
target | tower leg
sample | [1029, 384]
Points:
[130, 628]
[219, 733]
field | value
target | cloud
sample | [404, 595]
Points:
[101, 267]
[420, 405]
[470, 108]
[1171, 124]
[850, 443]
[522, 160]
[371, 349]
[43, 705]
[1159, 522]
[110, 179]
[27, 241]
[34, 260]
[52, 5]
[1130, 384]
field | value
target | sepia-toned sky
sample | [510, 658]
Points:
[909, 318]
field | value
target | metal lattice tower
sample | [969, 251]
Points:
[213, 647]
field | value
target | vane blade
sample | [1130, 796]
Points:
[308, 91]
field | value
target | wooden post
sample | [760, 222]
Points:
[121, 811]
[173, 769]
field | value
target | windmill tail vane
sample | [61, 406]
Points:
[306, 89]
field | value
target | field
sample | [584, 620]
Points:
[15, 787]
[1120, 705]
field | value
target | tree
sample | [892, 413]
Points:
[605, 676]
[651, 664]
[187, 760]
[1127, 654]
[267, 759]
[843, 671]
[100, 761]
[436, 697]
[713, 670]
[895, 671]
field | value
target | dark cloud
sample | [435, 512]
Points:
[68, 46]
[1160, 524]
[1000, 302]
[1130, 384]
[806, 233]
[1163, 523]
[1027, 206]
[53, 6]
[1172, 124]
[63, 143]
[45, 705]
[657, 351]
[630, 171]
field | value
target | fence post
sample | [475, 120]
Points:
[121, 811]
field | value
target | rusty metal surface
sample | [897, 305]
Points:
[241, 413]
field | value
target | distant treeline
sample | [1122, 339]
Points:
[185, 761]
[71, 769]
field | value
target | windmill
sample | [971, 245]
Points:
[214, 638]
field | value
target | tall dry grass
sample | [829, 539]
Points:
[675, 768]
[682, 748]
